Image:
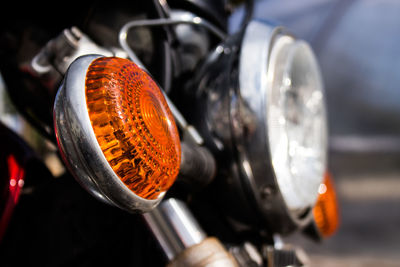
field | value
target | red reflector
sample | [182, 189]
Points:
[16, 182]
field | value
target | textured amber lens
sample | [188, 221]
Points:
[133, 125]
[326, 213]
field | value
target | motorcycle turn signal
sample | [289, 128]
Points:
[116, 133]
[326, 211]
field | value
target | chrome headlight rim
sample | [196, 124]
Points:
[255, 157]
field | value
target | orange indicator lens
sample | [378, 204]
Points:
[133, 125]
[326, 213]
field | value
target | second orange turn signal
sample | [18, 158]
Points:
[326, 212]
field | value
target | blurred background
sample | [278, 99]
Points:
[358, 47]
[357, 44]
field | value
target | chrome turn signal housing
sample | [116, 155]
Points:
[116, 133]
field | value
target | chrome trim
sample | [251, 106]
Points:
[80, 149]
[254, 156]
[174, 227]
[185, 18]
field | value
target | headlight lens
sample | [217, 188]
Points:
[296, 122]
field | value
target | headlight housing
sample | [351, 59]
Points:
[264, 100]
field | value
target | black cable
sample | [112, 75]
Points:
[249, 11]
[163, 12]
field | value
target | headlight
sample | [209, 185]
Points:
[264, 101]
[295, 122]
